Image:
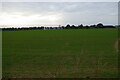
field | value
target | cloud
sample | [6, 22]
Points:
[60, 0]
[53, 13]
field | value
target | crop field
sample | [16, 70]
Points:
[67, 53]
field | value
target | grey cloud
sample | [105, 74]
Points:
[74, 12]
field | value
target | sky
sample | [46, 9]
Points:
[57, 13]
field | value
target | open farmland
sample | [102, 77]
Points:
[60, 53]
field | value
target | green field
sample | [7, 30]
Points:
[60, 53]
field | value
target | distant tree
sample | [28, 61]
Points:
[80, 26]
[67, 26]
[87, 27]
[63, 27]
[42, 27]
[92, 26]
[100, 25]
[73, 26]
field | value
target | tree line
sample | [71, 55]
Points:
[100, 25]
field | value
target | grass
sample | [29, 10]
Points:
[60, 54]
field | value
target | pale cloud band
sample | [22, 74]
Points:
[60, 0]
[55, 13]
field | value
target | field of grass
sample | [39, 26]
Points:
[60, 53]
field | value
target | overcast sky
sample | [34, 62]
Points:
[58, 13]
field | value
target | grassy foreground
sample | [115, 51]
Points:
[60, 53]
